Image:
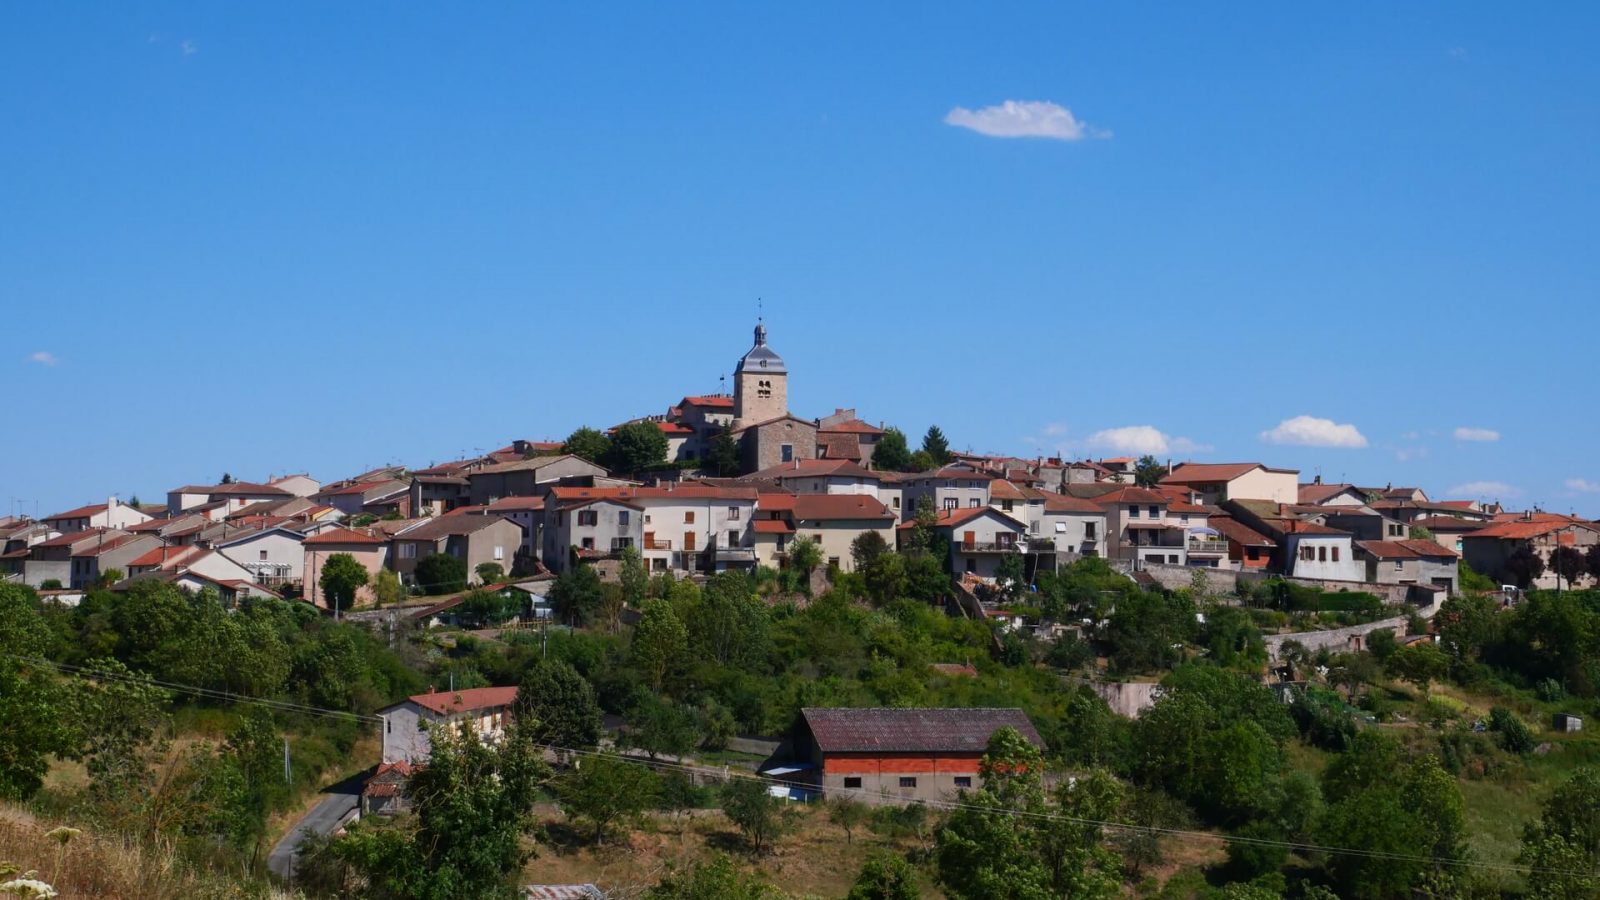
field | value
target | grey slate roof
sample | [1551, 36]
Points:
[913, 730]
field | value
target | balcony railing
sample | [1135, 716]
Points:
[1033, 545]
[658, 544]
[1208, 547]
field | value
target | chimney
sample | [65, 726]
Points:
[1527, 515]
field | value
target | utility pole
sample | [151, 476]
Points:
[288, 776]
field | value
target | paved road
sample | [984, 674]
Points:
[322, 819]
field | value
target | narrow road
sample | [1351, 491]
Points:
[336, 803]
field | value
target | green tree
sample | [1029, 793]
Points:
[31, 702]
[121, 718]
[936, 446]
[472, 806]
[723, 456]
[1400, 812]
[486, 609]
[1418, 663]
[660, 727]
[892, 453]
[718, 879]
[577, 595]
[341, 577]
[990, 847]
[605, 791]
[848, 815]
[441, 573]
[805, 555]
[1148, 471]
[1420, 533]
[636, 446]
[490, 572]
[635, 580]
[1510, 731]
[387, 589]
[588, 443]
[556, 706]
[866, 549]
[1523, 567]
[660, 643]
[1568, 563]
[759, 816]
[885, 876]
[1562, 848]
[922, 461]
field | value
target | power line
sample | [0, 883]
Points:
[207, 693]
[952, 805]
[947, 805]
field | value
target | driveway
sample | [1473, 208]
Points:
[337, 802]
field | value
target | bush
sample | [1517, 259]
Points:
[1513, 735]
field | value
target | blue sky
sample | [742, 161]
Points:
[301, 238]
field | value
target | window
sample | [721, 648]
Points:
[1399, 564]
[852, 781]
[974, 503]
[1322, 554]
[908, 781]
[263, 556]
[963, 781]
[896, 502]
[388, 725]
[622, 518]
[408, 551]
[949, 503]
[499, 552]
[972, 564]
[733, 539]
[1336, 554]
[1089, 531]
[1155, 512]
[688, 517]
[786, 453]
[733, 513]
[833, 562]
[1184, 518]
[588, 517]
[588, 543]
[1005, 506]
[1253, 553]
[1033, 527]
[1133, 512]
[647, 518]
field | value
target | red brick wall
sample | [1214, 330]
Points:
[898, 764]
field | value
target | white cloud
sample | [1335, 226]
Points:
[189, 48]
[1583, 486]
[1055, 429]
[1142, 439]
[1310, 431]
[1025, 118]
[1486, 489]
[1476, 434]
[43, 358]
[1407, 454]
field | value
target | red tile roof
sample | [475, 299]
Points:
[965, 731]
[1316, 494]
[82, 512]
[341, 536]
[1000, 489]
[715, 401]
[771, 526]
[235, 487]
[1411, 549]
[812, 468]
[950, 518]
[851, 426]
[161, 557]
[469, 700]
[1064, 503]
[811, 507]
[1207, 473]
[358, 488]
[1521, 530]
[1238, 532]
[1133, 495]
[67, 540]
[510, 504]
[778, 501]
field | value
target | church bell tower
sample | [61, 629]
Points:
[760, 384]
